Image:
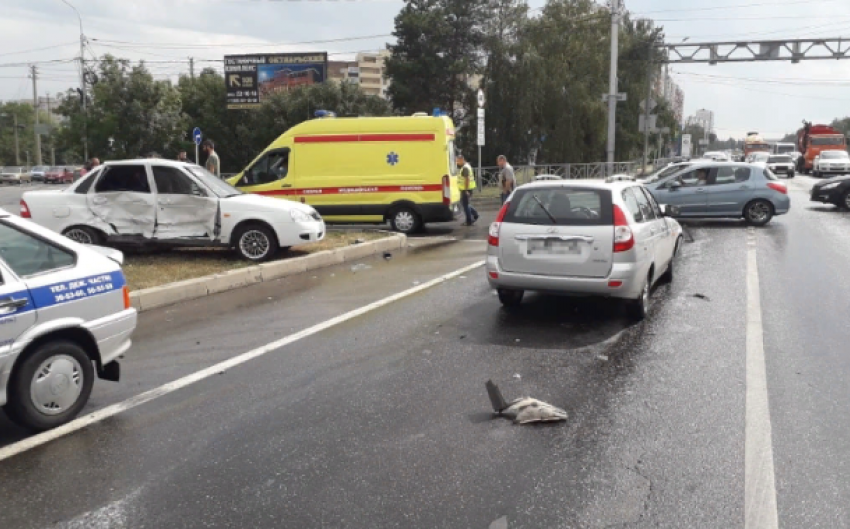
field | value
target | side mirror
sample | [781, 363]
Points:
[669, 210]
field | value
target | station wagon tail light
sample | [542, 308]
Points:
[624, 239]
[25, 211]
[496, 227]
[776, 186]
[447, 191]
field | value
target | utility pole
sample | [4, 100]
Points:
[647, 102]
[612, 83]
[192, 67]
[83, 88]
[82, 80]
[35, 106]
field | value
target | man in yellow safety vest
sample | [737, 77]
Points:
[466, 183]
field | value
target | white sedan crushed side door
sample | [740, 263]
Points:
[122, 199]
[185, 209]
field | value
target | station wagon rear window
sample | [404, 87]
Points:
[568, 206]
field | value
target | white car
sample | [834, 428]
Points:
[781, 164]
[757, 157]
[15, 175]
[169, 203]
[582, 238]
[65, 317]
[831, 162]
[716, 156]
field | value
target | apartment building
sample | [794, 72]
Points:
[367, 70]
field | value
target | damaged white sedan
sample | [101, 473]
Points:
[171, 204]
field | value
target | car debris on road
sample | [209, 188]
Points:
[523, 410]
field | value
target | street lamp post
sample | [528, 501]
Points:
[82, 80]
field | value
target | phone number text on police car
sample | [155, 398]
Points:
[82, 288]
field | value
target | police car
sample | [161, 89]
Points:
[65, 316]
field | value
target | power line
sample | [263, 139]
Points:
[181, 46]
[787, 81]
[759, 17]
[750, 89]
[37, 49]
[30, 63]
[736, 6]
[733, 36]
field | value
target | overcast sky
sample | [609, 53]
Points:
[769, 97]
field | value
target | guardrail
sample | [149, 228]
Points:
[489, 176]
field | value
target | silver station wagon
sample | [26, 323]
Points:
[575, 238]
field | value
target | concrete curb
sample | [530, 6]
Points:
[165, 295]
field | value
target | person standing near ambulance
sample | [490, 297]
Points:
[507, 179]
[466, 183]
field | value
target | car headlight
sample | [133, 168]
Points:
[300, 216]
[830, 186]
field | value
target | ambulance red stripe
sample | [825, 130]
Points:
[347, 138]
[353, 190]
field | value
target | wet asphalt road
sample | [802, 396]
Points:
[383, 421]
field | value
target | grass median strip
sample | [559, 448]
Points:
[145, 270]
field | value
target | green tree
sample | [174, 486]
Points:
[842, 125]
[437, 50]
[567, 66]
[130, 114]
[26, 139]
[509, 101]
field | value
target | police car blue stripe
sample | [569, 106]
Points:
[74, 289]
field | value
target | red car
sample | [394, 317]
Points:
[59, 175]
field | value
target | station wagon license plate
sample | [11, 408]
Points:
[552, 247]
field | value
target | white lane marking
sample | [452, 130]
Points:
[114, 409]
[760, 510]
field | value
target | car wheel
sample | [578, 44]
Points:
[405, 220]
[667, 277]
[758, 212]
[510, 298]
[83, 235]
[256, 242]
[637, 309]
[50, 386]
[844, 203]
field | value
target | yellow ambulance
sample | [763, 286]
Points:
[396, 169]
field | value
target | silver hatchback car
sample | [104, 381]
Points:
[575, 238]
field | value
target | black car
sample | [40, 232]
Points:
[833, 191]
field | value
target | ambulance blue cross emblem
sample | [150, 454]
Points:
[392, 158]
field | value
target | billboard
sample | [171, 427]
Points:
[252, 78]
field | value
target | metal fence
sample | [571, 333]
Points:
[489, 176]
